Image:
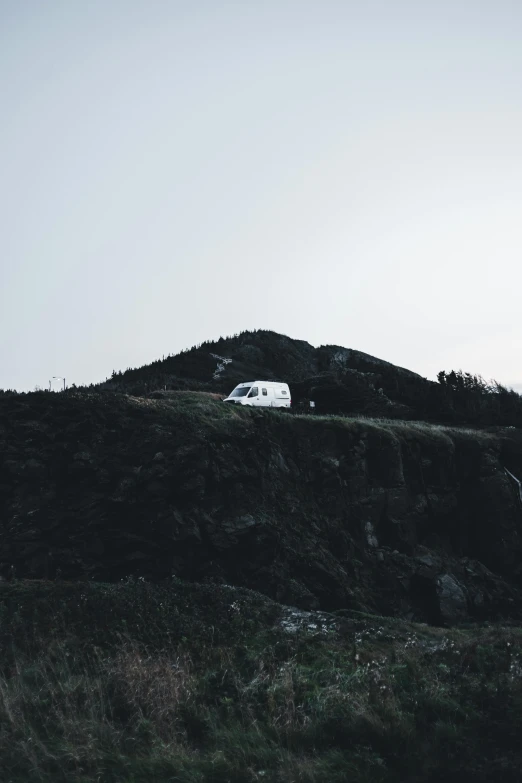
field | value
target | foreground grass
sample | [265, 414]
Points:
[131, 682]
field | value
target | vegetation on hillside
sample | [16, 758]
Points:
[135, 683]
[475, 401]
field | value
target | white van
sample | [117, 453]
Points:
[263, 394]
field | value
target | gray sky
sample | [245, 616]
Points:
[340, 171]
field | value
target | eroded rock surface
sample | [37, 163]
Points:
[317, 513]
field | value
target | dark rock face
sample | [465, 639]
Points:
[452, 601]
[316, 513]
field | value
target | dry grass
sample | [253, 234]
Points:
[206, 684]
[319, 714]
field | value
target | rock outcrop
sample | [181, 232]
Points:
[317, 513]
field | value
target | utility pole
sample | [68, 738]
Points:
[57, 378]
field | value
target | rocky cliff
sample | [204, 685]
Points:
[316, 512]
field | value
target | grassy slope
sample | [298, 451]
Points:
[134, 682]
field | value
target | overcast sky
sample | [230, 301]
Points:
[339, 171]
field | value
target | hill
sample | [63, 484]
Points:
[339, 380]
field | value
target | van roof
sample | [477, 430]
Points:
[268, 383]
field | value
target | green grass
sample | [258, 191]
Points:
[202, 415]
[402, 427]
[134, 682]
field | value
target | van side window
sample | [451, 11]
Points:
[283, 391]
[264, 392]
[254, 392]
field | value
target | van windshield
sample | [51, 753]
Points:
[240, 392]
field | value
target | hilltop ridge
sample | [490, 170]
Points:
[260, 353]
[339, 380]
